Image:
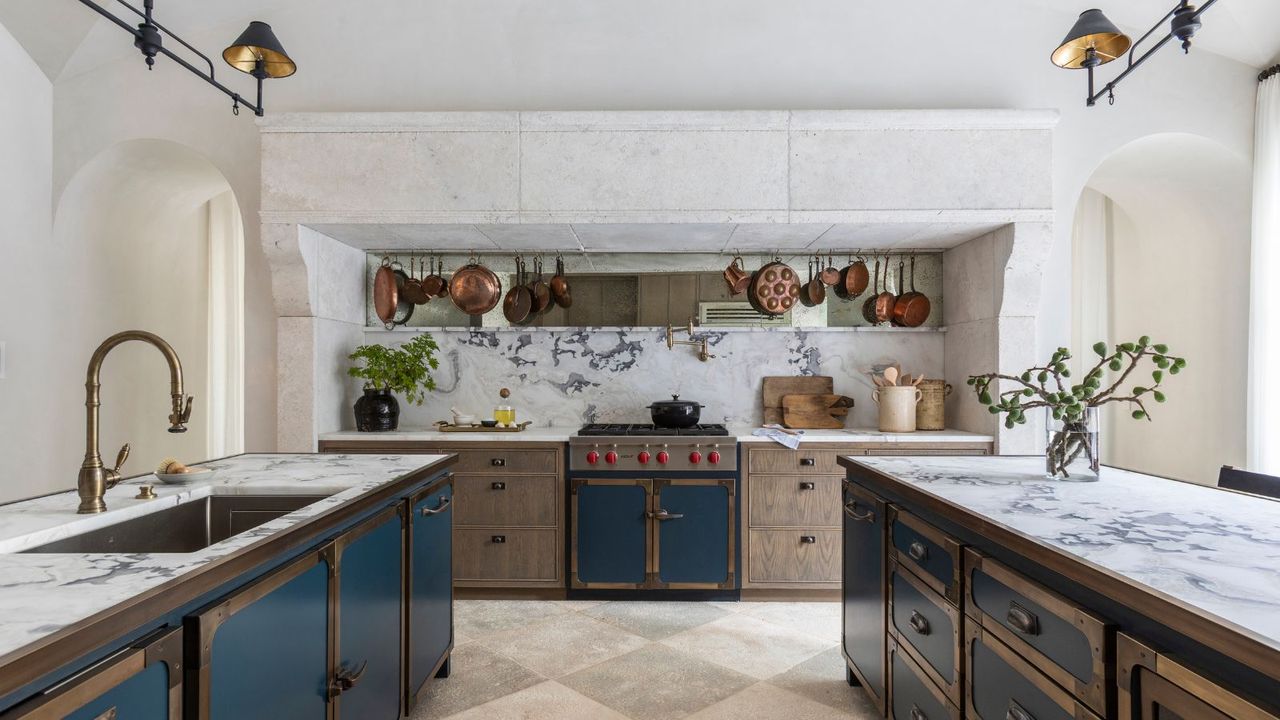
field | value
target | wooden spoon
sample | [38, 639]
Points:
[891, 375]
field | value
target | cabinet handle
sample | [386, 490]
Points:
[917, 713]
[344, 679]
[806, 486]
[808, 539]
[498, 539]
[918, 551]
[919, 623]
[108, 714]
[498, 486]
[1022, 619]
[664, 515]
[1017, 712]
[444, 505]
[851, 509]
[808, 462]
[498, 462]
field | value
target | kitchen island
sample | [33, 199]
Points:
[281, 539]
[989, 588]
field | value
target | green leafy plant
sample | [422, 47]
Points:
[405, 370]
[1047, 386]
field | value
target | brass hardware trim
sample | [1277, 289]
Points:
[1022, 619]
[917, 551]
[145, 492]
[664, 515]
[344, 679]
[919, 623]
[851, 509]
[445, 502]
[704, 351]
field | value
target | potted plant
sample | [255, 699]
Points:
[1071, 411]
[405, 370]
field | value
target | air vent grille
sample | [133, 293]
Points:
[737, 314]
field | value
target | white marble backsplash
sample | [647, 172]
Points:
[565, 377]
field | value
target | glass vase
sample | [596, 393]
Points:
[1073, 447]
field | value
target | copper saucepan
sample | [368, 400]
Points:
[885, 300]
[869, 305]
[853, 280]
[433, 284]
[413, 290]
[475, 289]
[518, 302]
[912, 308]
[560, 285]
[830, 275]
[814, 292]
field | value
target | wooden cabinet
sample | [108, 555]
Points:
[429, 610]
[508, 509]
[141, 682]
[1156, 686]
[863, 593]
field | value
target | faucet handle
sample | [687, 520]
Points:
[113, 475]
[180, 415]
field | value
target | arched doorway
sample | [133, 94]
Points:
[161, 246]
[1161, 248]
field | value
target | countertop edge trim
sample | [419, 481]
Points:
[1238, 643]
[62, 647]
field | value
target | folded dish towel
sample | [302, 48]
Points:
[782, 436]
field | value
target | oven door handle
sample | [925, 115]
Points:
[664, 515]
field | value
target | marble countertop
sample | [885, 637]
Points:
[1205, 549]
[41, 594]
[743, 433]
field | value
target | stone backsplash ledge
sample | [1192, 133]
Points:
[565, 377]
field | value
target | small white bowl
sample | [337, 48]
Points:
[464, 420]
[186, 478]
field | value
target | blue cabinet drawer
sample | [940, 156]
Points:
[1002, 685]
[914, 696]
[927, 627]
[1059, 637]
[929, 553]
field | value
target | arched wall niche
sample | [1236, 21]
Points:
[153, 230]
[1161, 247]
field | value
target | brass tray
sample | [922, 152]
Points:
[446, 426]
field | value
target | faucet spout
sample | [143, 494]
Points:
[95, 479]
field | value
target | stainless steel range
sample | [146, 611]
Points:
[645, 447]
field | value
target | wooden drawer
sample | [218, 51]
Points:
[787, 556]
[504, 554]
[929, 628]
[1003, 686]
[506, 461]
[794, 500]
[807, 462]
[517, 500]
[1062, 639]
[933, 556]
[1154, 685]
[913, 696]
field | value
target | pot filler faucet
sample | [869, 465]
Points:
[94, 479]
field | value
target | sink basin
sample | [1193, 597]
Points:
[184, 528]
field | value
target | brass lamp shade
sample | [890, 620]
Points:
[1092, 30]
[256, 43]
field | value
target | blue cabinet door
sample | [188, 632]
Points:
[430, 585]
[694, 531]
[370, 594]
[143, 683]
[863, 591]
[611, 533]
[264, 651]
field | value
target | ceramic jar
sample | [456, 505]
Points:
[897, 407]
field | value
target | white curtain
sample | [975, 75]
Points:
[1264, 306]
[224, 391]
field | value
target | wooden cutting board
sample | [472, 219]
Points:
[776, 387]
[815, 412]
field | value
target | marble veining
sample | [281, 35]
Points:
[1208, 549]
[741, 433]
[43, 593]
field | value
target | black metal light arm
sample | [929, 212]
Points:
[1135, 64]
[140, 39]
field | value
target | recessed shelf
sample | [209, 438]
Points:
[857, 329]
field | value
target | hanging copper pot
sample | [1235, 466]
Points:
[539, 290]
[912, 308]
[475, 289]
[869, 305]
[830, 275]
[518, 302]
[412, 288]
[884, 301]
[560, 285]
[433, 284]
[775, 288]
[853, 280]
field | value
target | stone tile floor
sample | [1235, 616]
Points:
[590, 660]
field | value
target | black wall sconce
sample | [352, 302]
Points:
[256, 52]
[1094, 40]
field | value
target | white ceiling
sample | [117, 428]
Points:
[66, 39]
[663, 238]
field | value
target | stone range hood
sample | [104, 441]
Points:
[976, 183]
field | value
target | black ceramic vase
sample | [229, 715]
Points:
[377, 411]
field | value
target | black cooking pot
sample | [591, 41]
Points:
[675, 413]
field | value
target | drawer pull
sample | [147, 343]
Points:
[808, 539]
[917, 551]
[498, 486]
[444, 505]
[808, 462]
[1022, 619]
[498, 539]
[919, 623]
[664, 515]
[345, 679]
[498, 462]
[917, 713]
[851, 509]
[108, 714]
[806, 486]
[1017, 712]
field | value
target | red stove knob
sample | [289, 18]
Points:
[593, 457]
[695, 457]
[663, 457]
[713, 457]
[643, 457]
[611, 457]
